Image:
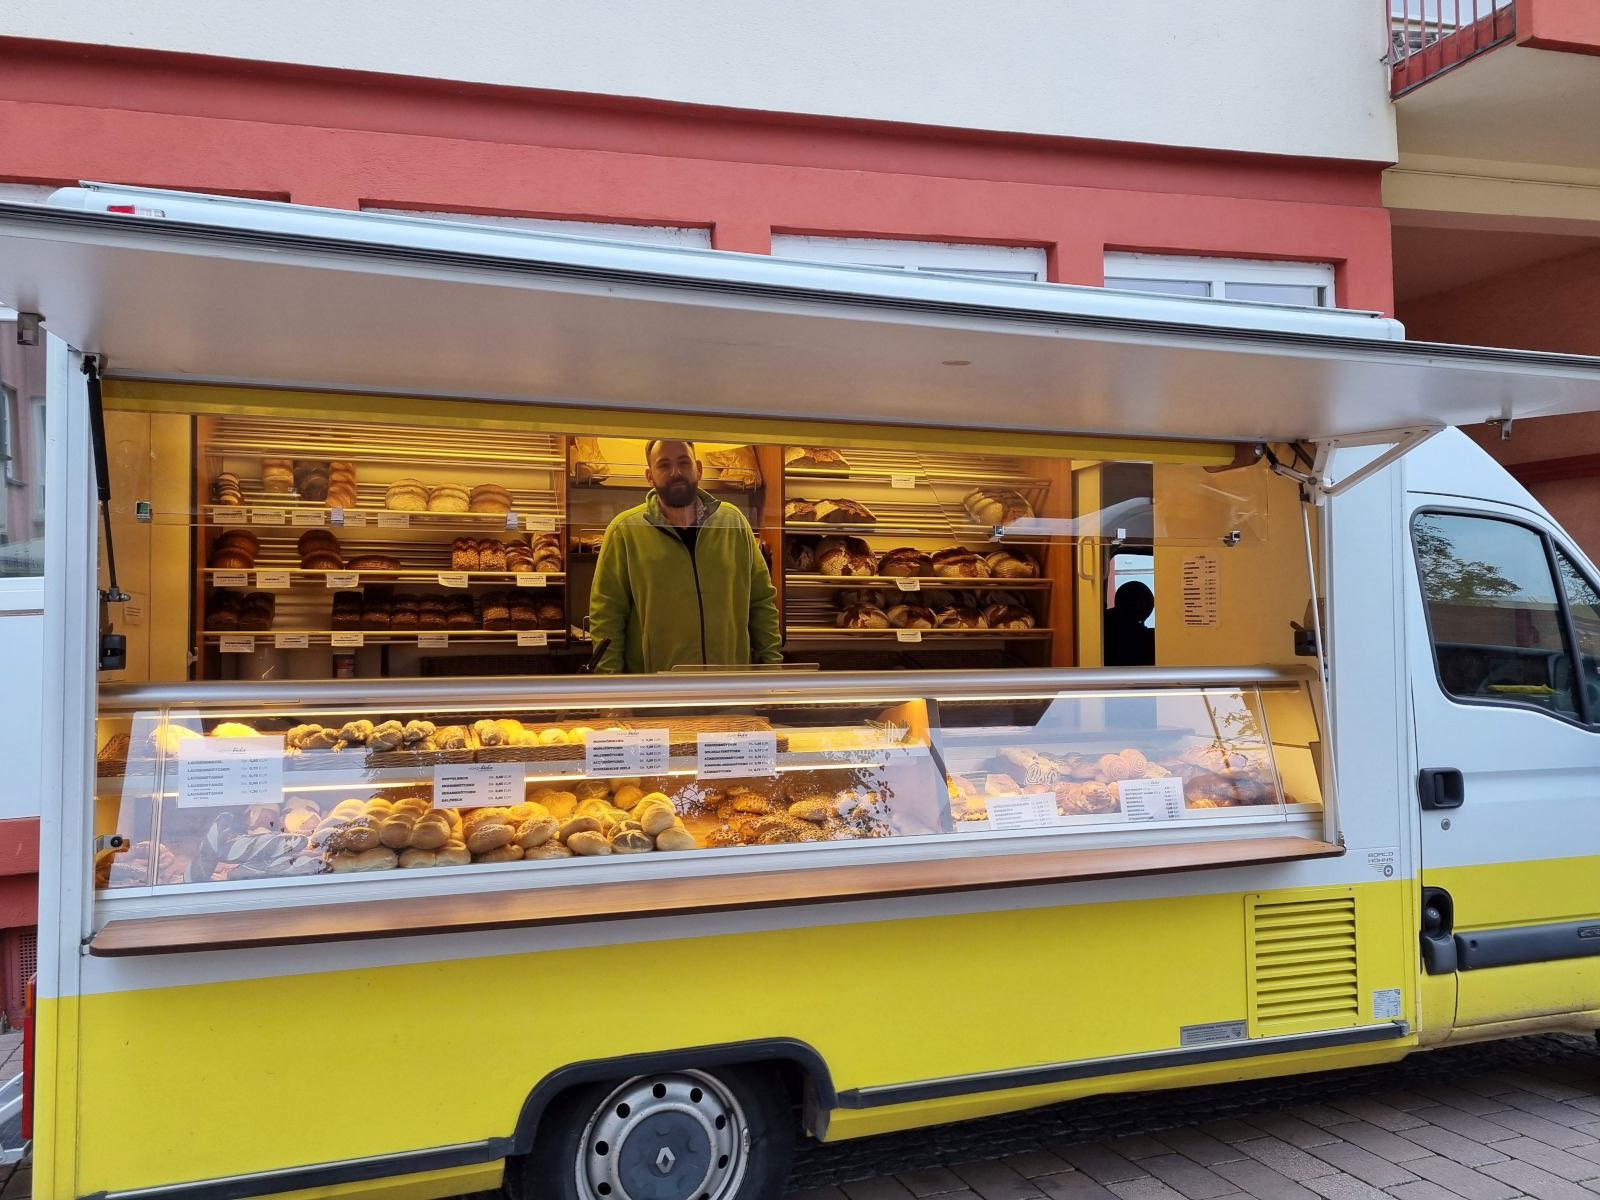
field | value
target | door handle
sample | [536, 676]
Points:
[1441, 787]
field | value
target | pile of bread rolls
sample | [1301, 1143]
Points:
[853, 556]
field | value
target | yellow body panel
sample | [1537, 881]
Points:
[262, 1074]
[1520, 893]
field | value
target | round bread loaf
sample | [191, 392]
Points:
[376, 858]
[632, 841]
[589, 844]
[322, 559]
[997, 506]
[447, 497]
[1008, 616]
[863, 616]
[799, 556]
[960, 617]
[548, 850]
[239, 539]
[960, 563]
[1012, 564]
[373, 562]
[511, 852]
[905, 562]
[406, 495]
[675, 838]
[312, 538]
[489, 498]
[231, 557]
[800, 510]
[912, 616]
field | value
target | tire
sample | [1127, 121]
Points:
[656, 1137]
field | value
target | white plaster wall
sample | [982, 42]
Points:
[1280, 76]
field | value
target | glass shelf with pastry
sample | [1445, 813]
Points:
[265, 783]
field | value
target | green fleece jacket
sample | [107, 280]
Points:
[660, 606]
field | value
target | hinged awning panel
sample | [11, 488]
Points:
[196, 288]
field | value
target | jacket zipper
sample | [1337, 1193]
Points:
[694, 566]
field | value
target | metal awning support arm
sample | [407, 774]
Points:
[1315, 482]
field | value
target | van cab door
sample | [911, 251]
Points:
[1504, 623]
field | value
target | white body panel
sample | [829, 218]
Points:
[1301, 79]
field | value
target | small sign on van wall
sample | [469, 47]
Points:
[1201, 593]
[1212, 1032]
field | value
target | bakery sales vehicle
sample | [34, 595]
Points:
[356, 881]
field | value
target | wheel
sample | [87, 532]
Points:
[682, 1135]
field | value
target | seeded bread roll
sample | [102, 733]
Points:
[447, 497]
[912, 616]
[863, 616]
[464, 554]
[406, 495]
[489, 498]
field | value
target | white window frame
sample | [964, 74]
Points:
[950, 258]
[696, 237]
[1218, 273]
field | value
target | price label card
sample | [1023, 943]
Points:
[226, 772]
[453, 579]
[336, 515]
[266, 516]
[1033, 810]
[902, 481]
[353, 519]
[511, 520]
[231, 578]
[908, 585]
[308, 516]
[1151, 799]
[291, 641]
[528, 580]
[477, 785]
[432, 641]
[612, 752]
[348, 641]
[743, 755]
[533, 637]
[272, 581]
[238, 643]
[541, 524]
[394, 520]
[908, 635]
[343, 579]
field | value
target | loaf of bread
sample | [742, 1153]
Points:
[1008, 616]
[257, 610]
[814, 456]
[863, 616]
[996, 506]
[905, 562]
[225, 490]
[222, 610]
[373, 562]
[799, 510]
[232, 558]
[238, 539]
[491, 555]
[1012, 564]
[489, 498]
[588, 463]
[448, 497]
[277, 476]
[874, 597]
[960, 563]
[960, 617]
[912, 616]
[737, 465]
[406, 495]
[844, 512]
[845, 556]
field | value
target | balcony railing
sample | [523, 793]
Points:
[1429, 37]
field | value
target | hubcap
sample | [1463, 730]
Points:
[665, 1137]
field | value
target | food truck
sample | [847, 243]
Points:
[364, 873]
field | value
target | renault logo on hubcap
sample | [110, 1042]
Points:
[664, 1160]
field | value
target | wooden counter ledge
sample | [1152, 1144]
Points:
[510, 907]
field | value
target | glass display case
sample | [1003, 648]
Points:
[203, 786]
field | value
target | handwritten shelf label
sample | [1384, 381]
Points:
[291, 641]
[238, 643]
[533, 637]
[1151, 799]
[272, 581]
[343, 579]
[746, 754]
[231, 578]
[611, 752]
[453, 579]
[477, 785]
[230, 772]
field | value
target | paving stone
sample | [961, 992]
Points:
[1136, 1147]
[1363, 1164]
[1381, 1142]
[934, 1182]
[886, 1187]
[1423, 1189]
[1540, 1085]
[1548, 1158]
[1453, 1146]
[1592, 1129]
[1188, 1177]
[827, 1193]
[1483, 1085]
[1405, 1101]
[1589, 1104]
[993, 1180]
[1477, 1129]
[1286, 1159]
[1526, 1177]
[1072, 1185]
[1542, 1130]
[1262, 1181]
[1561, 1112]
[1375, 1113]
[1464, 1181]
[1344, 1187]
[1321, 1115]
[1469, 1102]
[1099, 1164]
[1033, 1163]
[1229, 1130]
[1144, 1189]
[1292, 1129]
[1199, 1147]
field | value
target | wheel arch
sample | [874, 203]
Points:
[786, 1055]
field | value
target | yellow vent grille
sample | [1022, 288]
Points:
[1303, 964]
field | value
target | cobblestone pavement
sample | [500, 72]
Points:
[1492, 1122]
